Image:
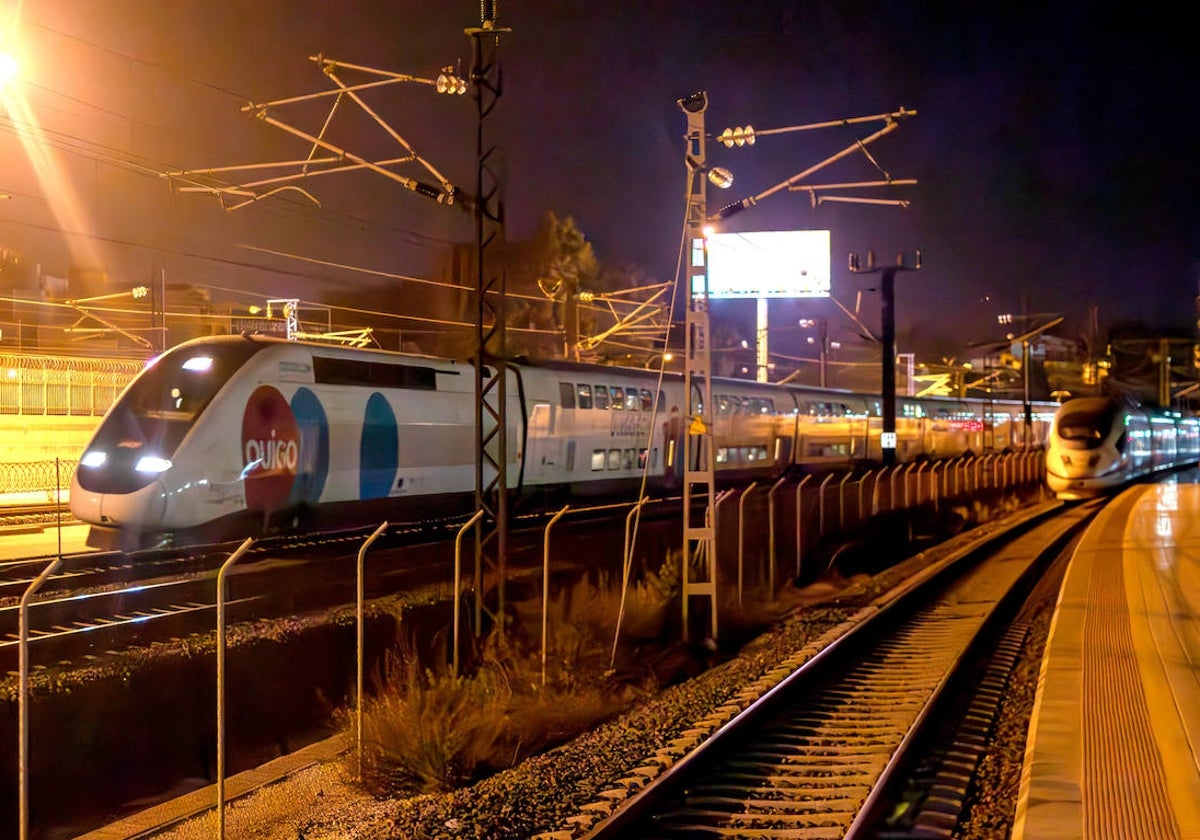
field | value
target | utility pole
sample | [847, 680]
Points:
[699, 527]
[887, 317]
[491, 396]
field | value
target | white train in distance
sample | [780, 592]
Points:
[1100, 443]
[224, 436]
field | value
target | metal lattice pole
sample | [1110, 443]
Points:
[491, 397]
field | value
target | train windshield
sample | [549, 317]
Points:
[1087, 423]
[146, 425]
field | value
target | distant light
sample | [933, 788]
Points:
[152, 464]
[198, 364]
[140, 291]
[94, 458]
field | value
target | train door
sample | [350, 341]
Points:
[543, 449]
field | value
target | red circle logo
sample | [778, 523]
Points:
[270, 449]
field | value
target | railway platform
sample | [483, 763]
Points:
[1114, 742]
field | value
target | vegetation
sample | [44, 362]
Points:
[428, 730]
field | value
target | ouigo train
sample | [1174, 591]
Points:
[1099, 443]
[224, 436]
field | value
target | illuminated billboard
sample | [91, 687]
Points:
[766, 264]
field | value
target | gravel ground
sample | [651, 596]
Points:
[560, 791]
[563, 792]
[993, 800]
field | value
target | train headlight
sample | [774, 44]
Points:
[152, 464]
[94, 458]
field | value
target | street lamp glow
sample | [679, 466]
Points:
[9, 69]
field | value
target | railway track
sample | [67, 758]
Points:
[103, 601]
[16, 517]
[822, 753]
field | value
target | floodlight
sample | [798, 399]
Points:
[719, 177]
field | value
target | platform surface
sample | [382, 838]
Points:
[1114, 743]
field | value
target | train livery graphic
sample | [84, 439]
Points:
[1100, 443]
[223, 436]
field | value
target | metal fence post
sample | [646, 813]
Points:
[935, 484]
[628, 562]
[23, 696]
[742, 537]
[842, 501]
[771, 551]
[821, 503]
[799, 528]
[233, 558]
[546, 584]
[875, 491]
[359, 645]
[470, 523]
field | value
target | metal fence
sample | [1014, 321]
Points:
[62, 385]
[46, 480]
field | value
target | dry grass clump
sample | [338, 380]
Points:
[428, 730]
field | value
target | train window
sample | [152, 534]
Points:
[722, 401]
[647, 400]
[614, 459]
[632, 403]
[722, 455]
[329, 370]
[628, 459]
[601, 396]
[570, 455]
[642, 459]
[618, 398]
[566, 394]
[598, 459]
[585, 396]
[654, 458]
[662, 402]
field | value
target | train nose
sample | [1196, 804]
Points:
[139, 510]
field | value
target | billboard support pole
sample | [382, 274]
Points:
[761, 342]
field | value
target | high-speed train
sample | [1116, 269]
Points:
[1098, 443]
[230, 435]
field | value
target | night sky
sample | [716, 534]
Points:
[1054, 144]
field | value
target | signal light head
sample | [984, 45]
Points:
[740, 136]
